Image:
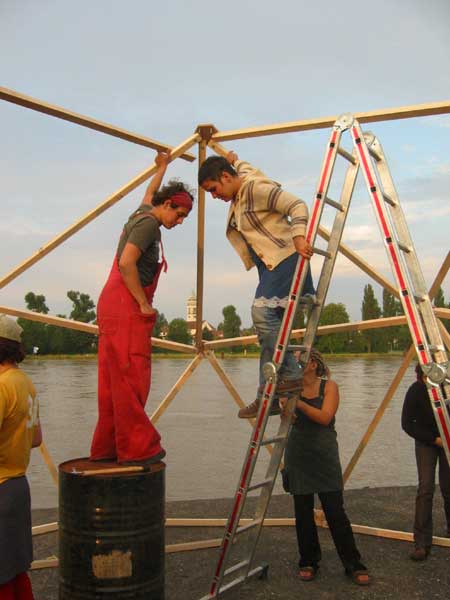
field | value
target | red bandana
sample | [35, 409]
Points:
[182, 199]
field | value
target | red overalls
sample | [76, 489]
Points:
[124, 431]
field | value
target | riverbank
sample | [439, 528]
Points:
[394, 576]
[156, 355]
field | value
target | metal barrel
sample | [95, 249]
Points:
[111, 531]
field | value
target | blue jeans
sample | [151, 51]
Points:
[267, 322]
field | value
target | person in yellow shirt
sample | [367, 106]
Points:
[20, 430]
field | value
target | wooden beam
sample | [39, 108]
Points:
[379, 413]
[189, 546]
[87, 328]
[386, 114]
[176, 387]
[395, 382]
[68, 115]
[360, 262]
[200, 251]
[46, 563]
[49, 462]
[47, 528]
[93, 214]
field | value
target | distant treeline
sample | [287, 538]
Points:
[50, 339]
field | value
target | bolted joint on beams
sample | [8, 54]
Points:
[206, 131]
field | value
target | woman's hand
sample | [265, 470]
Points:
[148, 310]
[162, 160]
[283, 404]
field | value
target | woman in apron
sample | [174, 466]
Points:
[312, 466]
[125, 317]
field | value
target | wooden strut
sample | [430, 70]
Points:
[68, 115]
[213, 137]
[93, 214]
[395, 382]
[392, 534]
[387, 114]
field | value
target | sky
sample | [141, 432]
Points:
[160, 69]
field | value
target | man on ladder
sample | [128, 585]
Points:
[266, 226]
[367, 154]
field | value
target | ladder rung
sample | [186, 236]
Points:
[273, 440]
[322, 252]
[404, 247]
[261, 484]
[308, 299]
[389, 200]
[346, 155]
[236, 567]
[295, 347]
[334, 204]
[374, 154]
[251, 525]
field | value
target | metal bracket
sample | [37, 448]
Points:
[436, 373]
[269, 372]
[344, 122]
[206, 131]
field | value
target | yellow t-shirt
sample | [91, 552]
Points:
[19, 413]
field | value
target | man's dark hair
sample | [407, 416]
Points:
[11, 351]
[170, 189]
[213, 167]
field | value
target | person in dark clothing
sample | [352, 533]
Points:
[312, 466]
[418, 422]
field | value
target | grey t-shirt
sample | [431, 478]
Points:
[142, 230]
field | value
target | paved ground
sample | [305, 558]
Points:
[394, 575]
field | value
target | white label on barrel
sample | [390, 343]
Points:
[115, 565]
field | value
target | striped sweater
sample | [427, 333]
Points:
[265, 217]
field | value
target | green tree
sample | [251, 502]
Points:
[332, 314]
[439, 300]
[58, 338]
[391, 308]
[231, 325]
[160, 324]
[370, 309]
[83, 310]
[178, 331]
[34, 334]
[250, 331]
[36, 303]
[207, 335]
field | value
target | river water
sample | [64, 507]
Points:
[204, 440]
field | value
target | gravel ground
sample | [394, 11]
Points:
[393, 574]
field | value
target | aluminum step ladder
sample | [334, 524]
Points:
[405, 266]
[249, 534]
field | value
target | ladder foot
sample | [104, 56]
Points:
[264, 573]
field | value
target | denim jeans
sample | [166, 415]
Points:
[267, 322]
[340, 529]
[427, 458]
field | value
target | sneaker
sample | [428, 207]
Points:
[145, 462]
[251, 410]
[419, 554]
